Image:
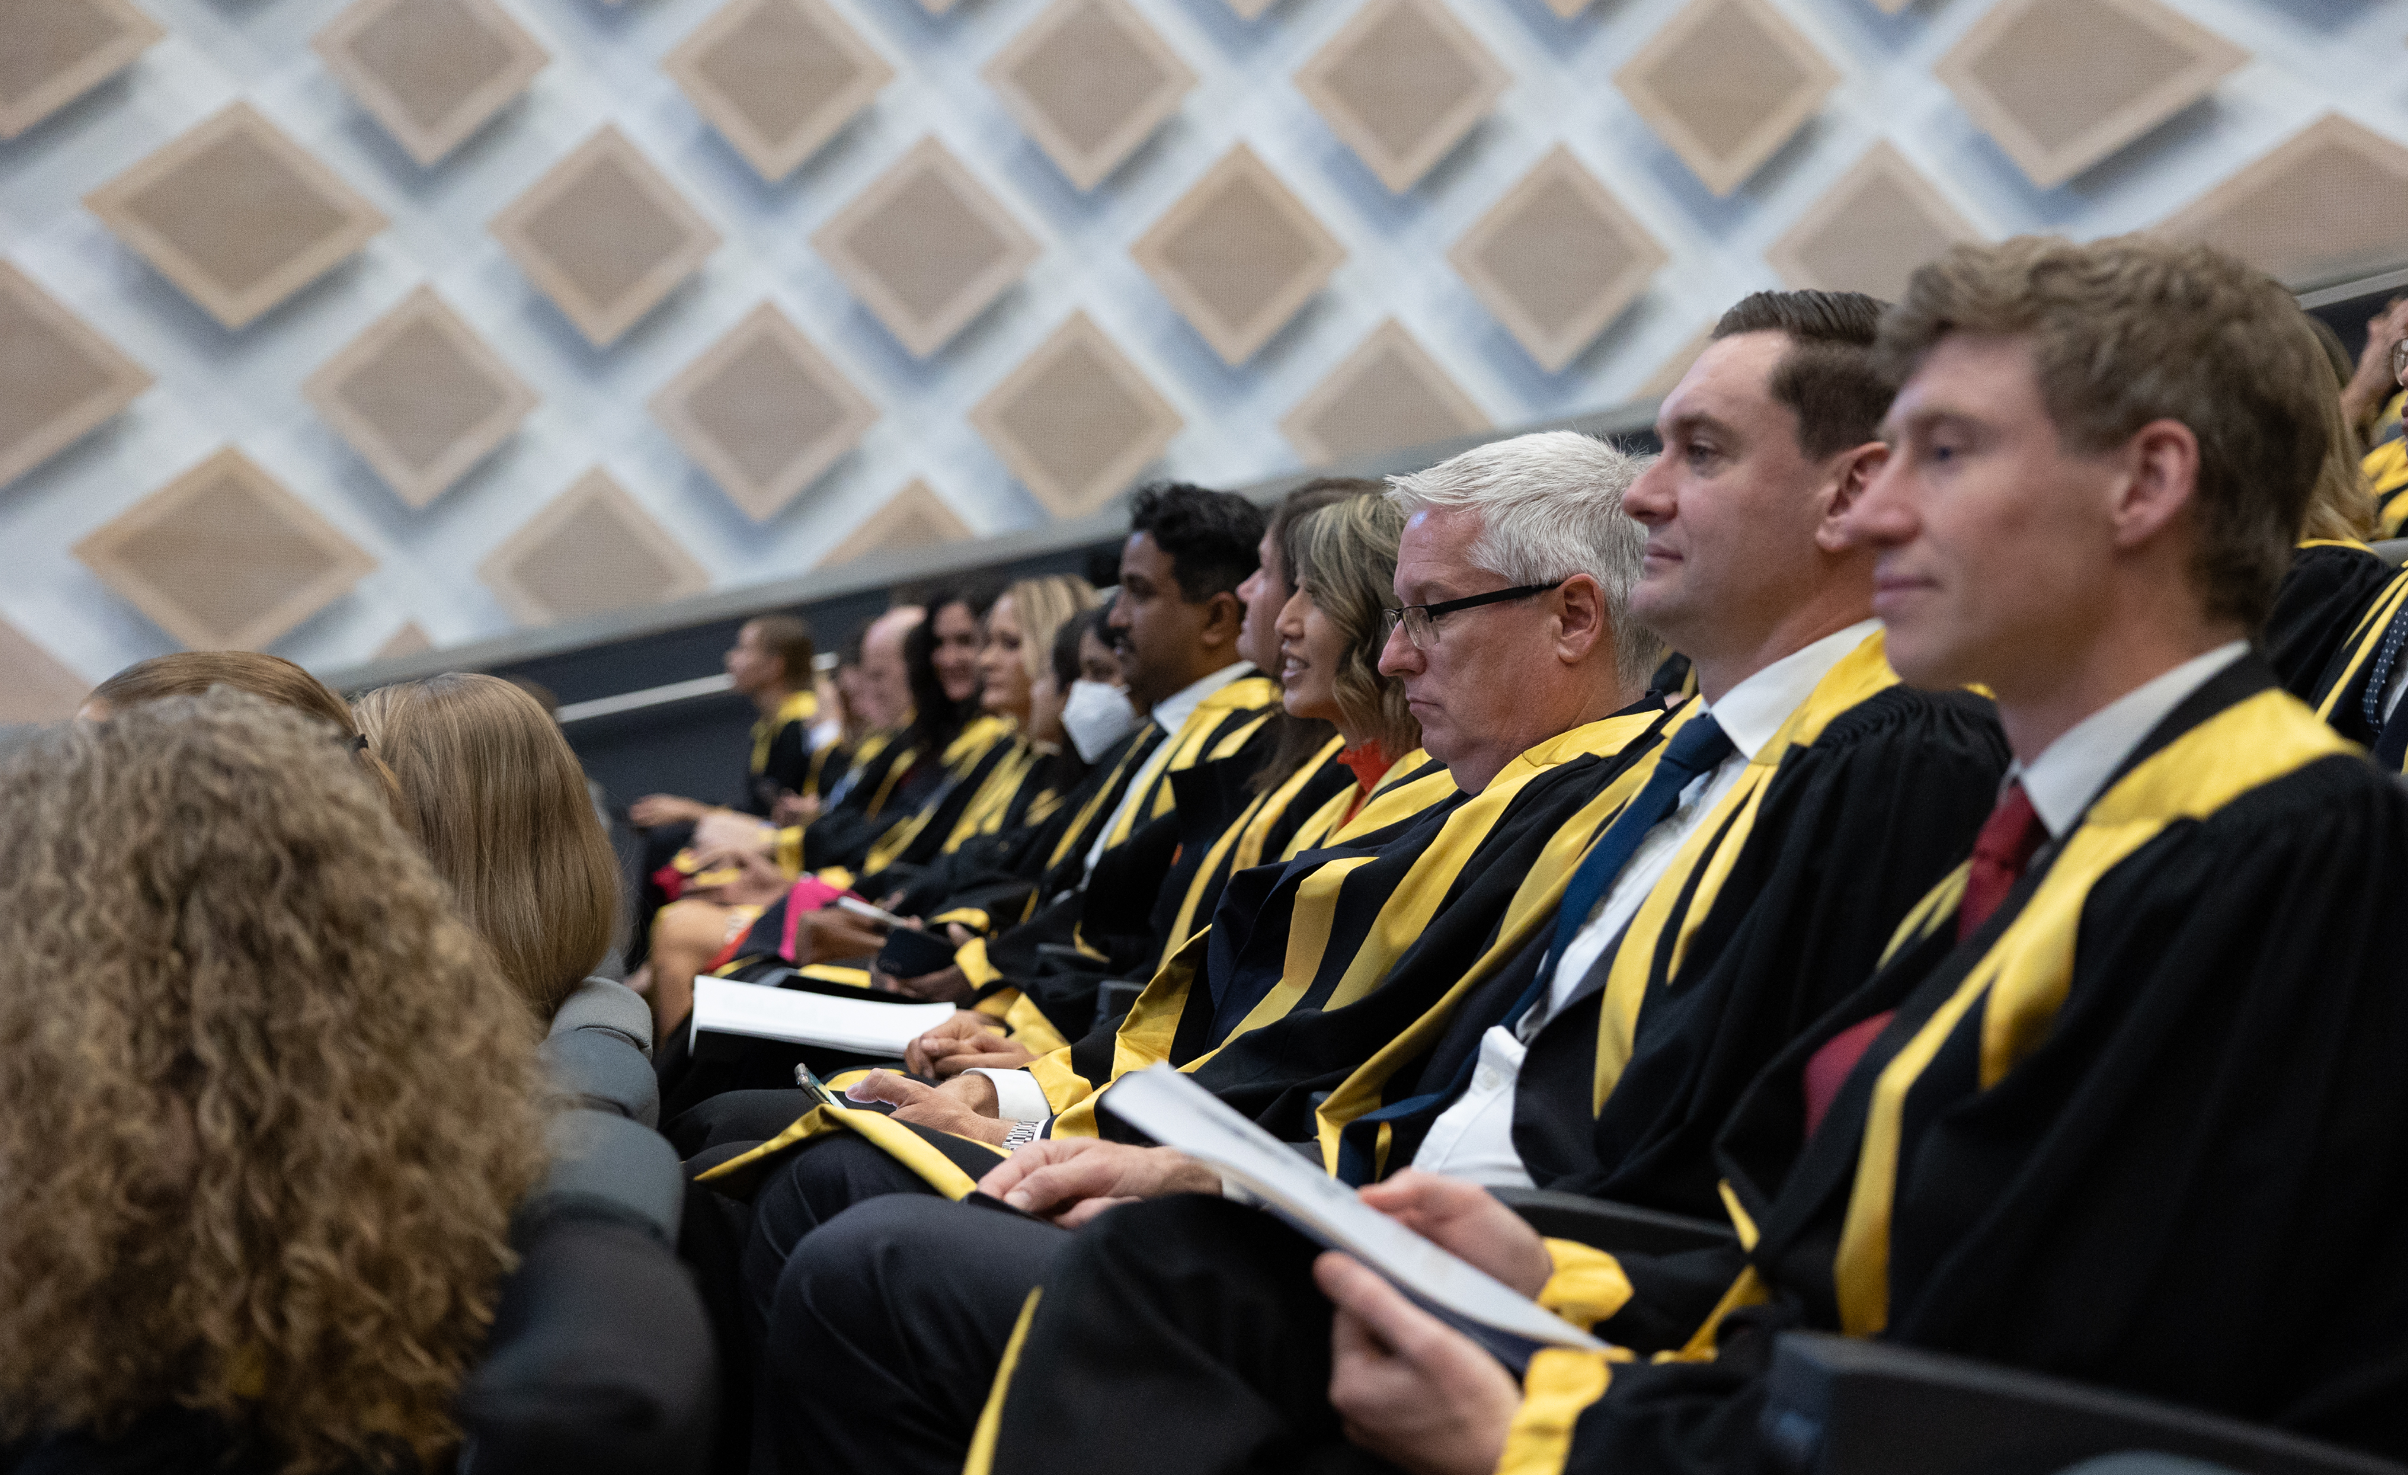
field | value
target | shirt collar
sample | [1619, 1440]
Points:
[1172, 712]
[2071, 771]
[1752, 712]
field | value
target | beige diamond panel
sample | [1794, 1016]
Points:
[1077, 422]
[352, 326]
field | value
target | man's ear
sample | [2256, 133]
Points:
[2160, 480]
[1223, 618]
[1583, 623]
[1849, 473]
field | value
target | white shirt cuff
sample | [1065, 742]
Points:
[1018, 1097]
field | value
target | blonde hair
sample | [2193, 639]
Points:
[264, 1110]
[270, 678]
[1043, 605]
[2341, 507]
[493, 793]
[1345, 562]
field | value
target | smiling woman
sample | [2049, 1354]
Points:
[1331, 631]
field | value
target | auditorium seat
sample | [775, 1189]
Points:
[1847, 1406]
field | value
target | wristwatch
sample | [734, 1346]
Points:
[1021, 1135]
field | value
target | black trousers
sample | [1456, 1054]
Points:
[887, 1327]
[824, 1178]
[1180, 1336]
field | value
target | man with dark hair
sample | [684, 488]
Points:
[2122, 1102]
[1597, 1043]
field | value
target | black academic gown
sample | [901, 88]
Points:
[1851, 832]
[2328, 591]
[2145, 1128]
[1311, 970]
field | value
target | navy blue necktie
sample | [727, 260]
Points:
[2390, 737]
[1694, 750]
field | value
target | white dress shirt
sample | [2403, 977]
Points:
[1473, 1139]
[2070, 772]
[1018, 1097]
[1170, 714]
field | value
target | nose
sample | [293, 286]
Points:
[1883, 514]
[1399, 656]
[1650, 500]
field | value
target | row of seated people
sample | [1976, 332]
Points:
[1978, 925]
[1713, 948]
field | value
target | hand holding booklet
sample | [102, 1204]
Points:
[1176, 1112]
[862, 1026]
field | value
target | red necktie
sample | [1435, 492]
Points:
[2009, 838]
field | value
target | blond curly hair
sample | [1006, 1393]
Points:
[266, 1105]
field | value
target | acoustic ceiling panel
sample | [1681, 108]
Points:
[914, 517]
[58, 378]
[420, 397]
[237, 215]
[1076, 421]
[1238, 255]
[605, 236]
[1557, 259]
[33, 686]
[1871, 230]
[431, 71]
[2061, 84]
[1725, 84]
[224, 558]
[777, 78]
[764, 412]
[58, 50]
[1402, 83]
[2330, 200]
[1389, 392]
[591, 550]
[926, 248]
[1090, 81]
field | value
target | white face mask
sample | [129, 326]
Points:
[1096, 716]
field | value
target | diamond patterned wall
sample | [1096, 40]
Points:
[495, 312]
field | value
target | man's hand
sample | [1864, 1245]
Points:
[758, 881]
[655, 810]
[1070, 1180]
[1408, 1387]
[967, 1041]
[794, 809]
[724, 828]
[1469, 1221]
[946, 985]
[928, 1106]
[832, 933]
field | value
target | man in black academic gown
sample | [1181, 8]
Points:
[1799, 810]
[2123, 1103]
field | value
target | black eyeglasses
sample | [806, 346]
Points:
[1421, 620]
